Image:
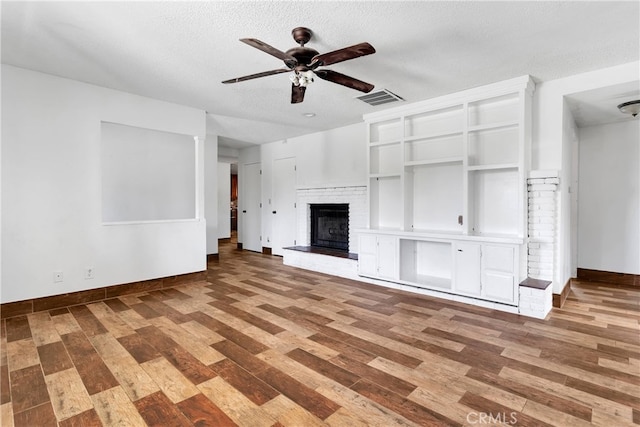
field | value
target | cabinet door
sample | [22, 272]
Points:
[498, 286]
[499, 273]
[387, 257]
[378, 256]
[467, 268]
[368, 255]
[367, 265]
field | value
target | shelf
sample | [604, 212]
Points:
[383, 143]
[443, 161]
[384, 175]
[428, 149]
[433, 136]
[493, 126]
[497, 237]
[445, 236]
[493, 167]
[428, 281]
[381, 230]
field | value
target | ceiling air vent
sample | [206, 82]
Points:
[380, 97]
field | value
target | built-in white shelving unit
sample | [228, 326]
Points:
[447, 191]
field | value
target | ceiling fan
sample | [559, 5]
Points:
[304, 61]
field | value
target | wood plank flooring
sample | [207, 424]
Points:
[261, 344]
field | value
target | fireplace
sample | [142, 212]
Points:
[330, 226]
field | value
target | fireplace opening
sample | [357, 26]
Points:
[330, 226]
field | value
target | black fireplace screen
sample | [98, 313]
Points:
[330, 226]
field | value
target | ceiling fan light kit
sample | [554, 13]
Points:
[301, 78]
[304, 61]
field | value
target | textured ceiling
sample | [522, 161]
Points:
[181, 51]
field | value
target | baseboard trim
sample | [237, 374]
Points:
[213, 257]
[559, 299]
[266, 251]
[624, 279]
[21, 308]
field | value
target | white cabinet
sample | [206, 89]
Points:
[447, 192]
[378, 256]
[488, 271]
[462, 265]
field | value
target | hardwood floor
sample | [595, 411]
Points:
[261, 344]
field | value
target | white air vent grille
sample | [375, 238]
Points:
[380, 97]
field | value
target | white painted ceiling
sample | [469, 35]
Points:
[181, 51]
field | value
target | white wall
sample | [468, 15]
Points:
[609, 197]
[51, 183]
[337, 157]
[551, 144]
[333, 158]
[224, 200]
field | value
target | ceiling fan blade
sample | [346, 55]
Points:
[344, 80]
[289, 60]
[255, 76]
[343, 54]
[297, 93]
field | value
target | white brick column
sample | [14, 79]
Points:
[542, 189]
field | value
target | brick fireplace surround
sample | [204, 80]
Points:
[356, 198]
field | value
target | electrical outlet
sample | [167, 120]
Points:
[88, 273]
[58, 276]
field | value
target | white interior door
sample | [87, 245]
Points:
[283, 208]
[251, 212]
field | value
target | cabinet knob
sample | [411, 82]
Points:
[273, 212]
[244, 211]
[460, 250]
